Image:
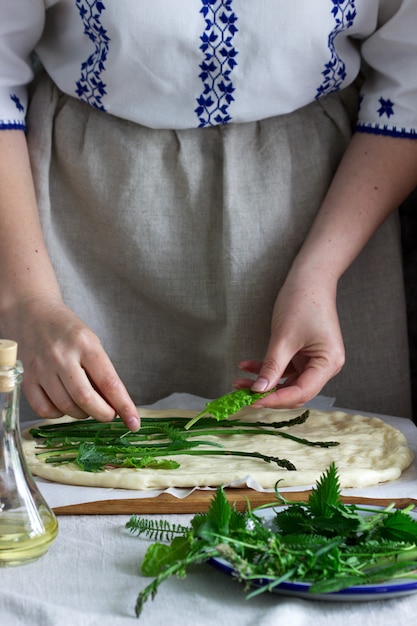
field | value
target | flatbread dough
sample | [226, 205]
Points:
[370, 452]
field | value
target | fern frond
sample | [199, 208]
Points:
[155, 529]
[303, 542]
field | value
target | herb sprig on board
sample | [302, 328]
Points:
[95, 446]
[322, 541]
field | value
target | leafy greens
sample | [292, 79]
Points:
[322, 541]
[95, 446]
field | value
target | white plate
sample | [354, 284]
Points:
[390, 589]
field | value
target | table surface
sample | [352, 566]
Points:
[91, 576]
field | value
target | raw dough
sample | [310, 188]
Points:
[370, 452]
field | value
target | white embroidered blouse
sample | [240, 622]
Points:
[195, 63]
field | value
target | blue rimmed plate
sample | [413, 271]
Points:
[394, 588]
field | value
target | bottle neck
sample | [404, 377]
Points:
[10, 377]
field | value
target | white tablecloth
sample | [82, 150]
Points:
[91, 577]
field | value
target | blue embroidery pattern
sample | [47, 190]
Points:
[385, 130]
[14, 124]
[344, 12]
[19, 105]
[90, 87]
[386, 108]
[219, 62]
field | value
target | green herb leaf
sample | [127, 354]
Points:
[399, 526]
[90, 459]
[159, 555]
[150, 462]
[326, 493]
[220, 519]
[227, 405]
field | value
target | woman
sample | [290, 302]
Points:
[194, 172]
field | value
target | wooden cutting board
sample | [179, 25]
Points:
[199, 501]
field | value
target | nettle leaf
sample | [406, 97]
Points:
[217, 519]
[326, 493]
[90, 459]
[338, 521]
[245, 521]
[299, 520]
[400, 527]
[293, 520]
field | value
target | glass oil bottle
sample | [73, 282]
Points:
[27, 524]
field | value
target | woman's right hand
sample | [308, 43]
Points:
[66, 369]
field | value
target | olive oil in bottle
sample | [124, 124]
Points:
[27, 525]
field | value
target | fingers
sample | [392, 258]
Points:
[304, 383]
[254, 367]
[298, 375]
[42, 404]
[74, 394]
[67, 372]
[269, 375]
[112, 390]
[297, 390]
[250, 366]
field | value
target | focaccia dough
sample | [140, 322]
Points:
[370, 452]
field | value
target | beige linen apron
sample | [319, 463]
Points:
[172, 245]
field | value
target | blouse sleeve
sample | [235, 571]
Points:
[388, 104]
[21, 27]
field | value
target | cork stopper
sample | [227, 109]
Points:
[8, 353]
